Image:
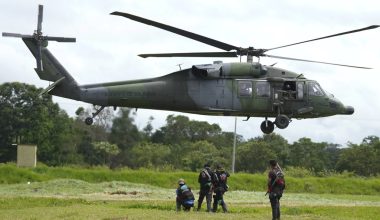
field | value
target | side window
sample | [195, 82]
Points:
[245, 88]
[315, 89]
[300, 90]
[262, 89]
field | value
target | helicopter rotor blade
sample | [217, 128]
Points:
[40, 17]
[312, 61]
[5, 34]
[188, 34]
[334, 35]
[191, 54]
[61, 39]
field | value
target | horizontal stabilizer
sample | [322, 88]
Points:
[51, 87]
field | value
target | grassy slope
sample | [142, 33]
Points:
[10, 174]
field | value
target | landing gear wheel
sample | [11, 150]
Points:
[282, 121]
[89, 121]
[267, 127]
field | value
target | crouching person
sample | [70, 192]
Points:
[185, 197]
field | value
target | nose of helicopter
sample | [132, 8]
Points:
[348, 110]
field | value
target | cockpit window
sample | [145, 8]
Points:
[315, 89]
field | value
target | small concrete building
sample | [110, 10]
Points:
[26, 155]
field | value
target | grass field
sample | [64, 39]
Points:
[78, 199]
[99, 193]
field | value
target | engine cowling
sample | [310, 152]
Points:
[229, 70]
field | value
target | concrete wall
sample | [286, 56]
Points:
[26, 155]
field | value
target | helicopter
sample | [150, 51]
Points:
[245, 89]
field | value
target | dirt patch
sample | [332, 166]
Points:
[120, 192]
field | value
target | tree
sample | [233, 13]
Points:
[29, 118]
[105, 151]
[148, 129]
[362, 159]
[199, 153]
[150, 155]
[308, 154]
[124, 132]
[179, 129]
[279, 145]
[125, 135]
[253, 156]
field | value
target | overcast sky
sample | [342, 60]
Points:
[107, 48]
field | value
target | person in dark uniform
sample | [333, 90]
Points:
[185, 197]
[220, 187]
[205, 185]
[276, 186]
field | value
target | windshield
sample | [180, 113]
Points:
[315, 89]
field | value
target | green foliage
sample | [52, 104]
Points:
[150, 155]
[253, 156]
[180, 129]
[28, 118]
[198, 153]
[361, 159]
[124, 132]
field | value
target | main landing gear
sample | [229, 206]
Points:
[281, 121]
[267, 126]
[90, 120]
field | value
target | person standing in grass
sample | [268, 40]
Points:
[220, 187]
[185, 197]
[206, 189]
[276, 186]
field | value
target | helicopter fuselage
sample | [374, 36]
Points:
[229, 89]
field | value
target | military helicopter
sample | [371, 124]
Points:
[247, 89]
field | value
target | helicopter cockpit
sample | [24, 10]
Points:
[315, 89]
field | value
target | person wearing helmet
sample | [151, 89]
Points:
[220, 187]
[206, 189]
[185, 197]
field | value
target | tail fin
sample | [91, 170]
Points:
[48, 68]
[53, 71]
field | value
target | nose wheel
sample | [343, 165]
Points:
[90, 120]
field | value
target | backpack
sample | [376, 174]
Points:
[280, 179]
[205, 175]
[223, 178]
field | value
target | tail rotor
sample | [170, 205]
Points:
[39, 38]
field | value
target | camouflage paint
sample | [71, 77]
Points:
[210, 89]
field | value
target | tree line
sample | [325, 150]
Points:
[114, 140]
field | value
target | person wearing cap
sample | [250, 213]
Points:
[276, 186]
[220, 187]
[185, 197]
[206, 189]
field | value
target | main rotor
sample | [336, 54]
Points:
[230, 50]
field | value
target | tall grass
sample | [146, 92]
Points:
[338, 184]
